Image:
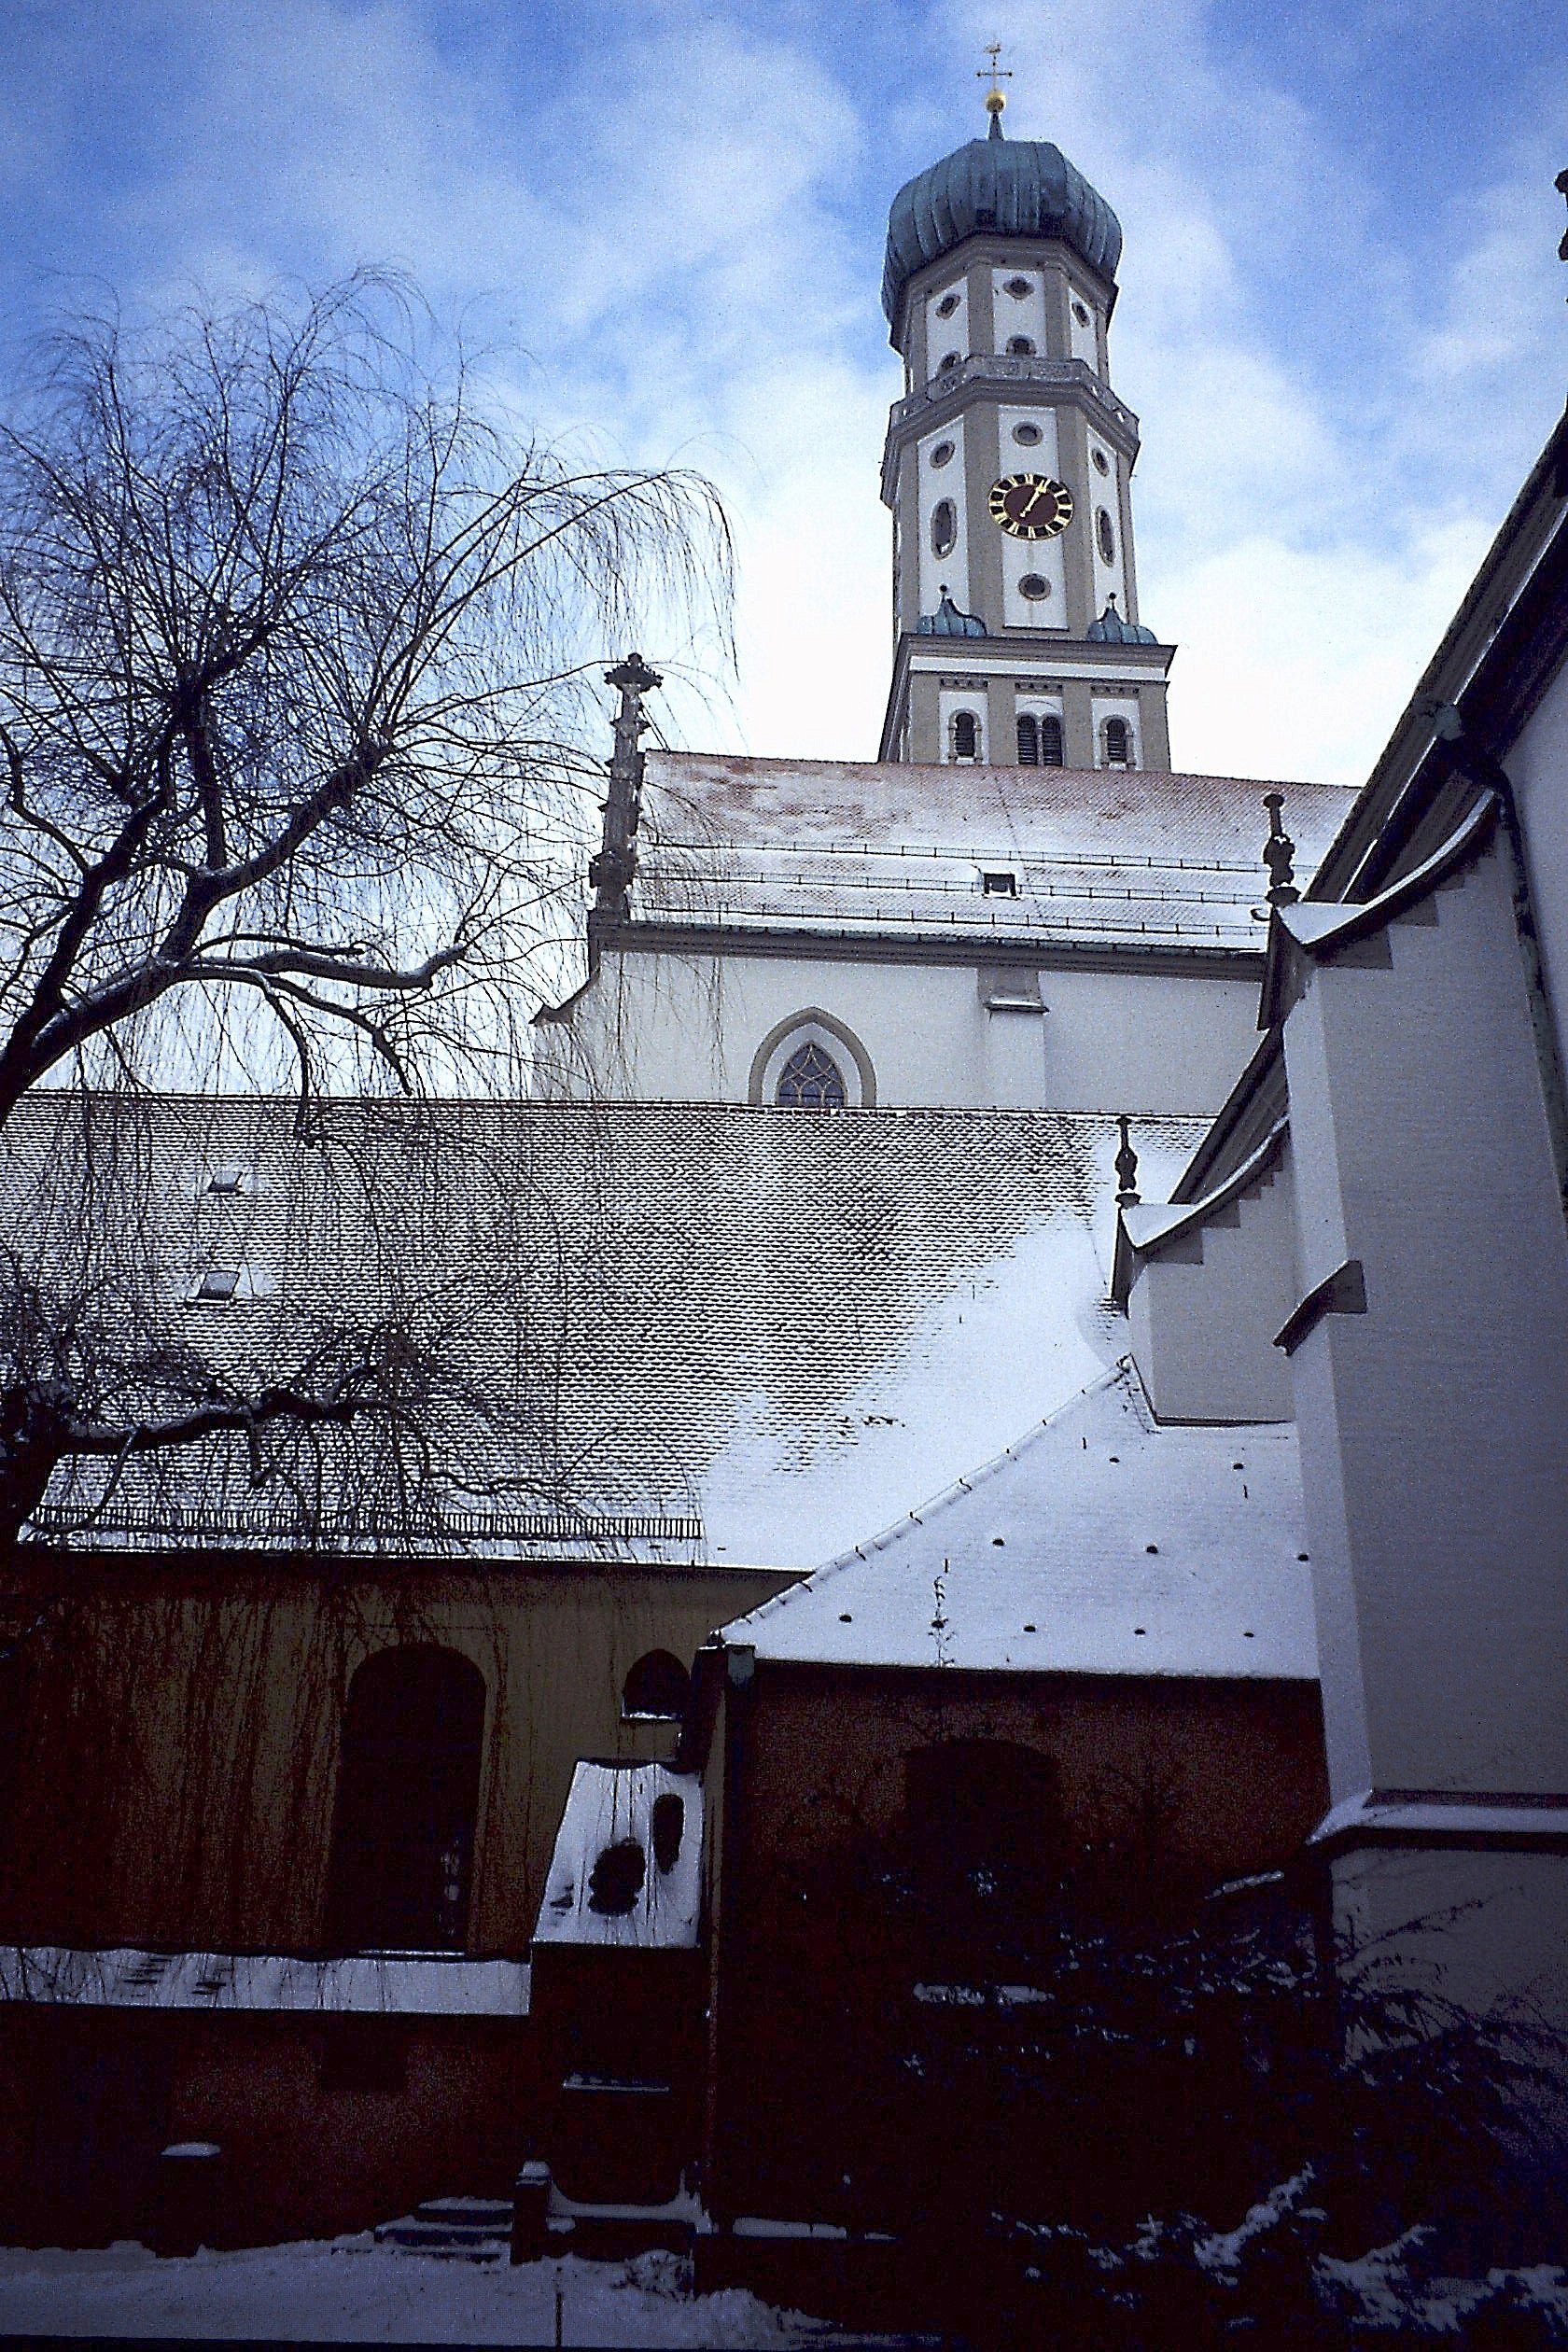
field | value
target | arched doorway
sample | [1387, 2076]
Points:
[408, 1794]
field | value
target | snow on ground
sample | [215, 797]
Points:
[350, 2291]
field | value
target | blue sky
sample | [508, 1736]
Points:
[1342, 321]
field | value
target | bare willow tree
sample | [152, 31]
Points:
[298, 639]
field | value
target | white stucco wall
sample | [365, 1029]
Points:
[1202, 1312]
[664, 1027]
[1538, 768]
[1433, 1425]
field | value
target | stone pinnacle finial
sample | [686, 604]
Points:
[612, 869]
[1126, 1168]
[1279, 853]
[996, 97]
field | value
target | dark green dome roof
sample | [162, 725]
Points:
[1010, 187]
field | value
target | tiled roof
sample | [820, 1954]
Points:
[1104, 1543]
[1101, 857]
[688, 1332]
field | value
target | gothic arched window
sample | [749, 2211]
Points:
[811, 1080]
[658, 1685]
[408, 1797]
[966, 735]
[1028, 739]
[1118, 743]
[1051, 749]
[944, 527]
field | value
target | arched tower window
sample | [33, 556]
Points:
[944, 527]
[1118, 743]
[408, 1796]
[1028, 739]
[658, 1686]
[811, 1079]
[1051, 749]
[966, 735]
[1106, 536]
[1020, 347]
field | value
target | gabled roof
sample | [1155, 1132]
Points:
[1101, 857]
[705, 1333]
[1103, 1542]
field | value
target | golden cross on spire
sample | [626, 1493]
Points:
[996, 97]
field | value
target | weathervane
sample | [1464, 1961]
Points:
[996, 97]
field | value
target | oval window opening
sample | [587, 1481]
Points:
[947, 305]
[1081, 314]
[943, 454]
[1020, 347]
[944, 527]
[1102, 465]
[1035, 586]
[949, 361]
[1018, 287]
[1106, 536]
[1028, 436]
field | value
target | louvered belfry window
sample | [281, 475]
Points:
[1028, 739]
[1051, 749]
[966, 735]
[811, 1079]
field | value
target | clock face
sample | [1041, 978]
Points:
[1030, 506]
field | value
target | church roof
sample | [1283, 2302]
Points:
[1102, 859]
[1104, 1542]
[995, 187]
[685, 1334]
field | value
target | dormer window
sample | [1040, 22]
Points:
[227, 1181]
[999, 883]
[218, 1285]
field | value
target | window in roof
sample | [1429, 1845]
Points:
[220, 1282]
[657, 1687]
[966, 735]
[407, 1802]
[811, 1080]
[944, 527]
[1020, 347]
[999, 883]
[1028, 739]
[227, 1180]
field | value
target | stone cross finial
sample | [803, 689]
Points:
[1279, 854]
[1126, 1168]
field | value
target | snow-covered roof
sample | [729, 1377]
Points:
[393, 1984]
[1099, 859]
[705, 1333]
[1103, 1542]
[654, 1814]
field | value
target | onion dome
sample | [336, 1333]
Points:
[1112, 629]
[995, 187]
[948, 620]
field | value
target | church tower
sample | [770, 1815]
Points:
[1008, 469]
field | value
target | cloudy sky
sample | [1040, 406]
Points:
[1342, 321]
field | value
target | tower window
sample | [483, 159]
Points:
[1028, 739]
[811, 1080]
[1101, 462]
[1106, 536]
[1081, 314]
[1051, 752]
[1028, 436]
[1118, 743]
[947, 362]
[1020, 347]
[1035, 586]
[966, 735]
[943, 454]
[1018, 287]
[948, 304]
[944, 527]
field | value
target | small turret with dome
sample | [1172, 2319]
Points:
[1008, 469]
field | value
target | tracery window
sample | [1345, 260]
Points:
[811, 1080]
[408, 1798]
